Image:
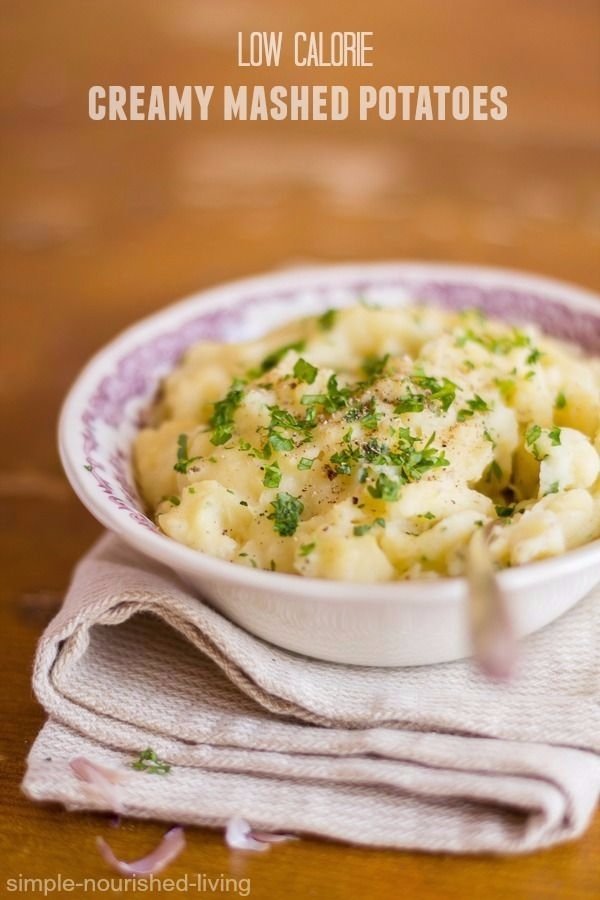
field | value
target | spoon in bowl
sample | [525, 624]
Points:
[492, 629]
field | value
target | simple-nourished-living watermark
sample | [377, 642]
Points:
[300, 102]
[199, 883]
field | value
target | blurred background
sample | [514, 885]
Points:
[103, 222]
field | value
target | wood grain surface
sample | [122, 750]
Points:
[103, 222]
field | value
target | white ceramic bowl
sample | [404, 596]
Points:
[392, 624]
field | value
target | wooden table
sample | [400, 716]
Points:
[105, 222]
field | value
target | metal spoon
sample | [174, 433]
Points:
[492, 630]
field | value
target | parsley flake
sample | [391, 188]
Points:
[275, 357]
[385, 488]
[283, 420]
[477, 404]
[494, 471]
[374, 366]
[440, 391]
[410, 403]
[554, 435]
[184, 461]
[360, 530]
[286, 514]
[304, 371]
[307, 549]
[272, 477]
[223, 415]
[149, 762]
[327, 320]
[561, 401]
[534, 357]
[532, 435]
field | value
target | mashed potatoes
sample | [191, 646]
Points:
[370, 444]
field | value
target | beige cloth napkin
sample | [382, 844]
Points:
[434, 758]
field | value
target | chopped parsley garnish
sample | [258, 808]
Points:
[441, 391]
[149, 762]
[88, 468]
[366, 413]
[426, 515]
[223, 415]
[184, 461]
[534, 357]
[272, 477]
[360, 530]
[371, 420]
[327, 320]
[554, 435]
[532, 435]
[494, 470]
[335, 398]
[477, 404]
[343, 460]
[561, 401]
[278, 442]
[498, 345]
[410, 462]
[305, 463]
[504, 512]
[306, 549]
[304, 371]
[554, 488]
[175, 501]
[410, 403]
[414, 463]
[283, 420]
[374, 366]
[275, 357]
[385, 488]
[314, 399]
[286, 514]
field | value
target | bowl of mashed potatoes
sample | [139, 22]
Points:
[314, 451]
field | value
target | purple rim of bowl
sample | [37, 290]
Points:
[120, 397]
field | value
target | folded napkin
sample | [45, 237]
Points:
[433, 758]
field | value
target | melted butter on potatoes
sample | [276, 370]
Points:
[370, 444]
